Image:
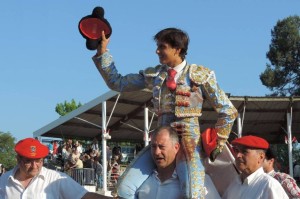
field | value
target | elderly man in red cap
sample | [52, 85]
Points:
[253, 182]
[29, 179]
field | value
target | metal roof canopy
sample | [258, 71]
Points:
[269, 117]
[262, 116]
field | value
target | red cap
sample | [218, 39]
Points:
[31, 148]
[252, 142]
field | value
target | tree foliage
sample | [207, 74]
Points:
[66, 107]
[7, 152]
[282, 75]
[282, 156]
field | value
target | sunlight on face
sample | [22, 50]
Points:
[163, 150]
[168, 55]
[30, 167]
[248, 160]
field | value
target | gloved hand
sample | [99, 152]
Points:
[209, 140]
[210, 145]
[215, 153]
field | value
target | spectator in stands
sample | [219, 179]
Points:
[74, 161]
[75, 152]
[253, 182]
[297, 172]
[64, 152]
[88, 149]
[55, 147]
[95, 145]
[78, 147]
[87, 161]
[287, 182]
[117, 152]
[69, 144]
[98, 171]
[108, 153]
[29, 179]
[59, 148]
[50, 147]
[115, 169]
[94, 153]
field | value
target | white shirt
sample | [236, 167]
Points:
[95, 147]
[153, 188]
[49, 184]
[65, 154]
[179, 70]
[79, 149]
[258, 185]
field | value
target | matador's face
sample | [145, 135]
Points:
[168, 55]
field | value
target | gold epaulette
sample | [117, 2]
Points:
[152, 71]
[199, 74]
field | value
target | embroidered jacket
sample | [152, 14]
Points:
[196, 83]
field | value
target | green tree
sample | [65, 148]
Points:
[282, 76]
[66, 107]
[7, 152]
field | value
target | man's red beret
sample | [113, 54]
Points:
[31, 148]
[251, 142]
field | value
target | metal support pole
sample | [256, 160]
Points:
[104, 154]
[290, 147]
[146, 125]
[239, 125]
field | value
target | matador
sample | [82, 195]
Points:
[180, 107]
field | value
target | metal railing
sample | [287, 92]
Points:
[85, 176]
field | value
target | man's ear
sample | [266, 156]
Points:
[18, 158]
[177, 147]
[178, 50]
[272, 161]
[262, 156]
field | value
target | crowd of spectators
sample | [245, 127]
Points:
[72, 155]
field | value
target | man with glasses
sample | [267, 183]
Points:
[253, 182]
[29, 179]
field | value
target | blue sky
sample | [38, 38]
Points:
[43, 59]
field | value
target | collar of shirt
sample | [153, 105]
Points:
[174, 176]
[253, 176]
[178, 69]
[272, 173]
